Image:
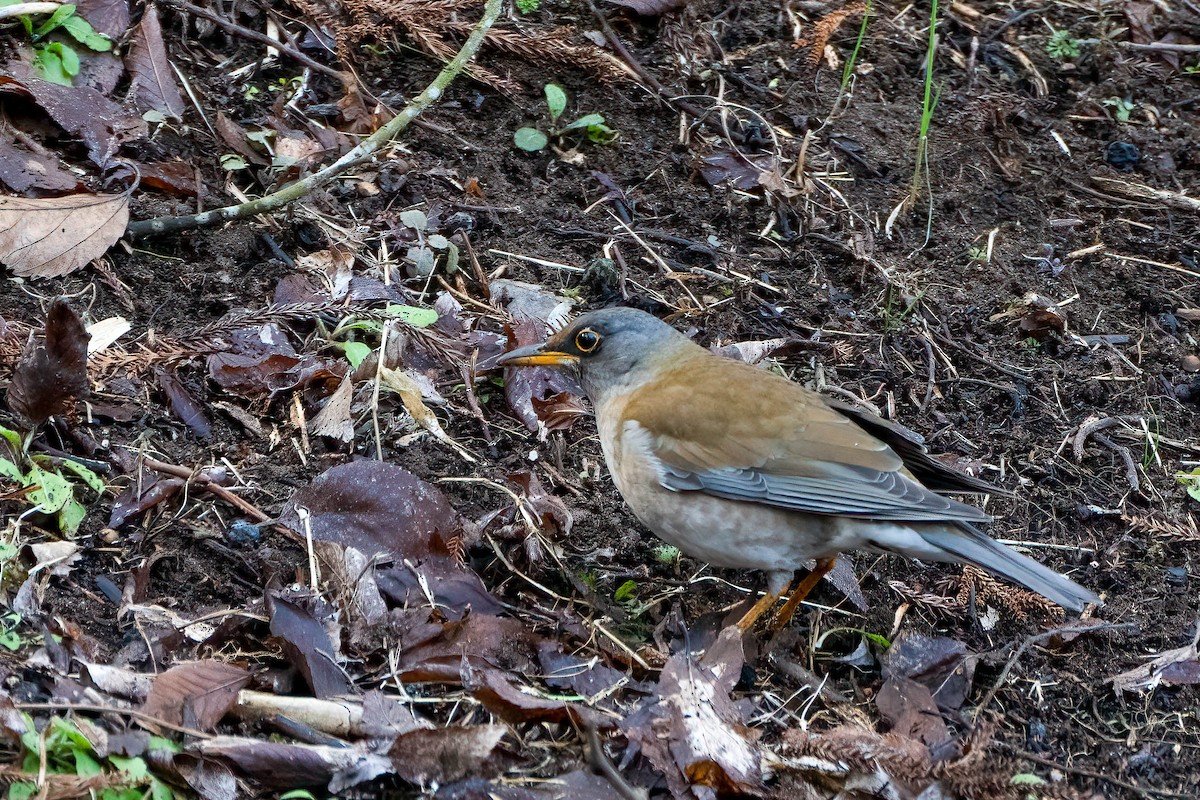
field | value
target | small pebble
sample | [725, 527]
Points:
[1190, 363]
[1123, 155]
[1177, 576]
[243, 531]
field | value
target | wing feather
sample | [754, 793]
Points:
[784, 447]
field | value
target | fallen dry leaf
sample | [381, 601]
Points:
[650, 8]
[535, 313]
[517, 703]
[741, 171]
[80, 110]
[376, 507]
[153, 86]
[110, 17]
[274, 765]
[211, 780]
[189, 411]
[403, 384]
[261, 361]
[308, 646]
[945, 666]
[909, 708]
[441, 755]
[23, 170]
[692, 732]
[55, 558]
[141, 495]
[436, 652]
[47, 237]
[197, 695]
[52, 371]
[334, 419]
[1177, 667]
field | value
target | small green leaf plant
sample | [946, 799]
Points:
[590, 126]
[1122, 107]
[1190, 482]
[355, 351]
[55, 59]
[1062, 45]
[63, 749]
[49, 484]
[528, 6]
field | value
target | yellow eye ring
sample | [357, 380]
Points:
[587, 340]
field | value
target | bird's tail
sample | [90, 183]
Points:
[967, 545]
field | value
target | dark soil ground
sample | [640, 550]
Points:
[914, 322]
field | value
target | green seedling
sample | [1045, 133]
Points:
[590, 126]
[55, 59]
[356, 351]
[1062, 45]
[423, 256]
[667, 554]
[977, 254]
[852, 61]
[1191, 483]
[528, 6]
[63, 749]
[49, 484]
[1122, 107]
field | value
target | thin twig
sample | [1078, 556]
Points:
[1038, 638]
[260, 38]
[600, 762]
[1160, 47]
[361, 153]
[96, 708]
[1144, 791]
[205, 482]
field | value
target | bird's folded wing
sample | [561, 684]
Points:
[848, 491]
[754, 437]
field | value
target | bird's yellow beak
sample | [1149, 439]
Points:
[536, 355]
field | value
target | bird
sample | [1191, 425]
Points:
[743, 468]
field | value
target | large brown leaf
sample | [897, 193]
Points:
[308, 646]
[110, 17]
[52, 371]
[376, 507]
[275, 765]
[80, 110]
[197, 695]
[51, 236]
[154, 87]
[692, 731]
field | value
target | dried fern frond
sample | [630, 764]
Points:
[850, 758]
[438, 26]
[1181, 530]
[824, 29]
[1018, 601]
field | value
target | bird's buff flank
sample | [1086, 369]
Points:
[742, 468]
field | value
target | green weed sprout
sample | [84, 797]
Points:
[56, 61]
[51, 481]
[533, 140]
[1062, 45]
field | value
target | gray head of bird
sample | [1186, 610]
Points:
[613, 350]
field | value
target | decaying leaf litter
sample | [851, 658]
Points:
[291, 502]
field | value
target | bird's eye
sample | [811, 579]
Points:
[587, 340]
